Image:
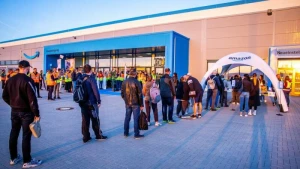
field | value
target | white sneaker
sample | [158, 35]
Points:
[241, 114]
[16, 160]
[237, 103]
[148, 123]
[32, 163]
[157, 124]
[265, 101]
[250, 114]
[246, 115]
[254, 113]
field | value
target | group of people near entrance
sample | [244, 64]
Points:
[20, 93]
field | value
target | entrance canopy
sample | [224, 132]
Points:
[176, 48]
[250, 59]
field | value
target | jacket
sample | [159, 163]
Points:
[247, 86]
[131, 92]
[166, 85]
[19, 92]
[74, 77]
[194, 85]
[179, 91]
[92, 94]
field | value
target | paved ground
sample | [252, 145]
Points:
[220, 139]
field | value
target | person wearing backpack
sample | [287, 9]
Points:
[167, 92]
[213, 84]
[131, 92]
[89, 105]
[151, 86]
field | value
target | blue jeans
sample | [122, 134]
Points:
[167, 102]
[287, 97]
[244, 99]
[136, 115]
[74, 85]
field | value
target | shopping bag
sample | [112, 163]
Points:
[36, 129]
[143, 123]
[271, 94]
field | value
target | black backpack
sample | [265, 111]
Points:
[143, 123]
[79, 92]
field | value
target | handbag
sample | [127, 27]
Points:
[192, 93]
[36, 129]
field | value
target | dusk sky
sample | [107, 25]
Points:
[22, 18]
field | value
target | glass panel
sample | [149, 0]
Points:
[143, 60]
[245, 69]
[144, 50]
[296, 64]
[8, 62]
[15, 62]
[104, 62]
[125, 59]
[284, 64]
[92, 62]
[233, 71]
[210, 64]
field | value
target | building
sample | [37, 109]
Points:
[189, 40]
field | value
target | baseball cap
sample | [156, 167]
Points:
[24, 64]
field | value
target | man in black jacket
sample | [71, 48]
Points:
[19, 92]
[131, 92]
[167, 92]
[90, 108]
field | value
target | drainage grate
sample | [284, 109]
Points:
[65, 108]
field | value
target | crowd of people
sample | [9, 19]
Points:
[138, 90]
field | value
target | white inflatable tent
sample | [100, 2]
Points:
[250, 59]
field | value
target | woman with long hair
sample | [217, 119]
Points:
[254, 99]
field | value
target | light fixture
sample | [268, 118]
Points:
[74, 37]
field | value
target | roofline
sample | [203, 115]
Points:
[139, 18]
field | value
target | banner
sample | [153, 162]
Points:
[59, 63]
[70, 64]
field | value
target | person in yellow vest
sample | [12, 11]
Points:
[35, 76]
[100, 79]
[50, 83]
[57, 77]
[68, 81]
[153, 74]
[287, 84]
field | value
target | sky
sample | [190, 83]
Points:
[23, 18]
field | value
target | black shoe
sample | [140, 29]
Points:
[41, 89]
[126, 135]
[206, 108]
[193, 116]
[39, 97]
[51, 99]
[54, 98]
[86, 140]
[138, 137]
[232, 109]
[58, 97]
[199, 115]
[273, 104]
[213, 109]
[226, 106]
[101, 138]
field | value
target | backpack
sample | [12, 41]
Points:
[155, 94]
[211, 83]
[143, 123]
[79, 93]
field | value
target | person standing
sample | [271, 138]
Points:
[167, 92]
[254, 99]
[224, 92]
[42, 80]
[74, 78]
[50, 78]
[57, 78]
[20, 95]
[245, 90]
[148, 102]
[3, 78]
[196, 93]
[236, 84]
[90, 107]
[131, 92]
[35, 76]
[213, 84]
[175, 80]
[287, 89]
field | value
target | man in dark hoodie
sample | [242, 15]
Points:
[19, 93]
[90, 108]
[167, 93]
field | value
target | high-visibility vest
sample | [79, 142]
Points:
[288, 85]
[35, 77]
[154, 76]
[55, 75]
[50, 82]
[68, 77]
